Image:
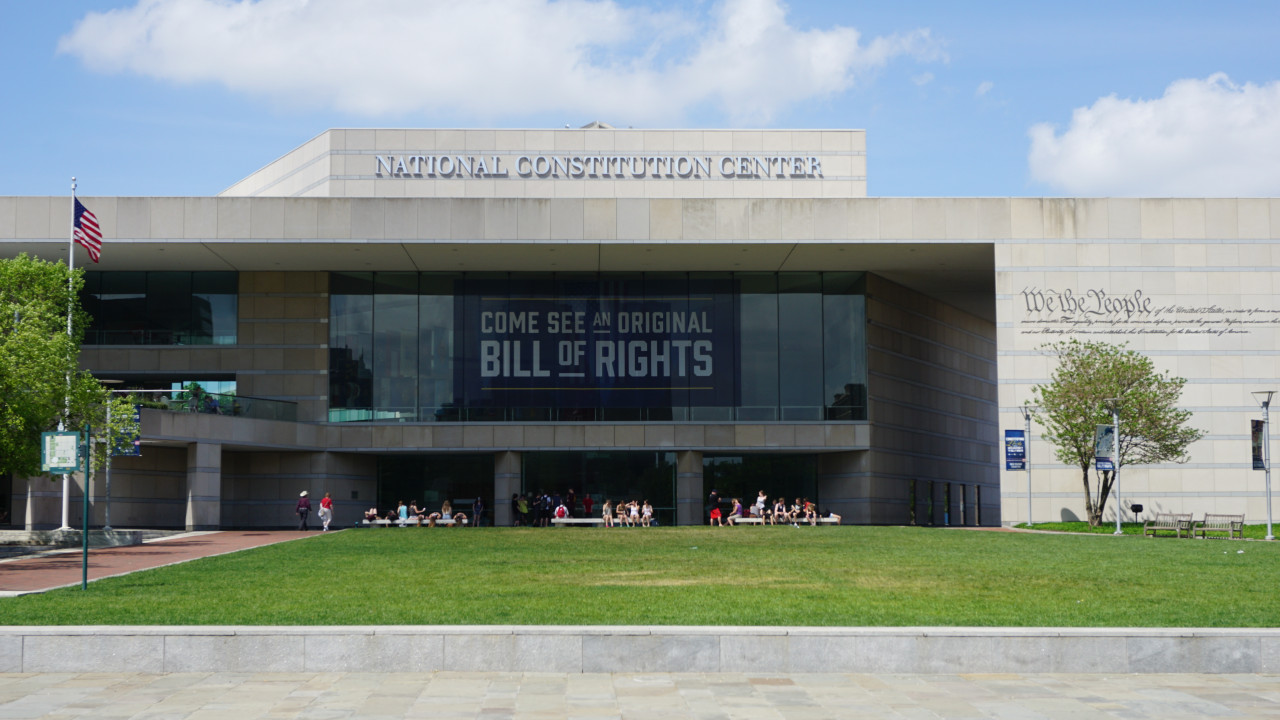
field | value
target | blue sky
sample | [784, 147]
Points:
[184, 97]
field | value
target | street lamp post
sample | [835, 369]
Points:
[1026, 452]
[1264, 399]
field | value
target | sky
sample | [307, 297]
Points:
[185, 97]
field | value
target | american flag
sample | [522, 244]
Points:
[86, 231]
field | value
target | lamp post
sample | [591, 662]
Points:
[1114, 405]
[1264, 399]
[1026, 453]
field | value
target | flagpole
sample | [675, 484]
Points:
[66, 404]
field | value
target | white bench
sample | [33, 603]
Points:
[761, 521]
[578, 521]
[412, 522]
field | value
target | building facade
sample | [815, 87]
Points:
[436, 315]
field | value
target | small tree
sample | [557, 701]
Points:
[39, 380]
[1075, 401]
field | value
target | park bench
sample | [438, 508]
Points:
[1174, 522]
[411, 522]
[753, 520]
[1232, 525]
[565, 522]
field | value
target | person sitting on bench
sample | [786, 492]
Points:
[446, 513]
[736, 513]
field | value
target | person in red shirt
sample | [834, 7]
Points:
[326, 511]
[587, 505]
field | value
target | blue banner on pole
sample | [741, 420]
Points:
[1015, 450]
[1104, 447]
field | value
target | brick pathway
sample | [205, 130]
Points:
[35, 574]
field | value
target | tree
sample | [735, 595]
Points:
[1075, 401]
[39, 380]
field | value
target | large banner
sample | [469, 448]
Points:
[1255, 438]
[1015, 450]
[1104, 447]
[599, 351]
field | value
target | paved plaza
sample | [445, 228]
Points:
[726, 696]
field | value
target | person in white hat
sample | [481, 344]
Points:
[304, 509]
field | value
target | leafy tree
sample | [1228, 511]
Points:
[39, 379]
[1075, 401]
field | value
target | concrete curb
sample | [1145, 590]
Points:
[608, 649]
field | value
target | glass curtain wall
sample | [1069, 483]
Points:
[586, 347]
[161, 308]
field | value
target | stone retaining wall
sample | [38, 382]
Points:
[637, 649]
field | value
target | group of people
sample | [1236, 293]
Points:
[779, 511]
[405, 514]
[627, 514]
[538, 509]
[303, 510]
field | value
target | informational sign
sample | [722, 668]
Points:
[60, 452]
[1255, 437]
[1104, 447]
[1015, 450]
[124, 445]
[599, 351]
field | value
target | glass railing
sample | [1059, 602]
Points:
[454, 414]
[226, 404]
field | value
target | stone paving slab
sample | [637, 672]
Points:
[702, 696]
[62, 568]
[632, 649]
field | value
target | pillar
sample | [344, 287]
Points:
[44, 503]
[204, 486]
[689, 500]
[506, 481]
[844, 487]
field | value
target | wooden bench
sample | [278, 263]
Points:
[1232, 525]
[1174, 522]
[411, 522]
[565, 522]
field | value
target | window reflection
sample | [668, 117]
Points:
[161, 308]
[789, 347]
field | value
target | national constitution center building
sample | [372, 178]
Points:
[437, 315]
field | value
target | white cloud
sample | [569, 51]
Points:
[922, 79]
[1202, 138]
[491, 58]
[983, 88]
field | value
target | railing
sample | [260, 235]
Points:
[226, 404]
[453, 414]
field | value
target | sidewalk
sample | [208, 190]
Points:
[727, 696]
[60, 568]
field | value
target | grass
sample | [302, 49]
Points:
[886, 576]
[1251, 532]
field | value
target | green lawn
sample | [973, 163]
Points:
[693, 576]
[1251, 532]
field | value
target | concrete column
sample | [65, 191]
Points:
[44, 498]
[204, 486]
[506, 481]
[689, 500]
[844, 486]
